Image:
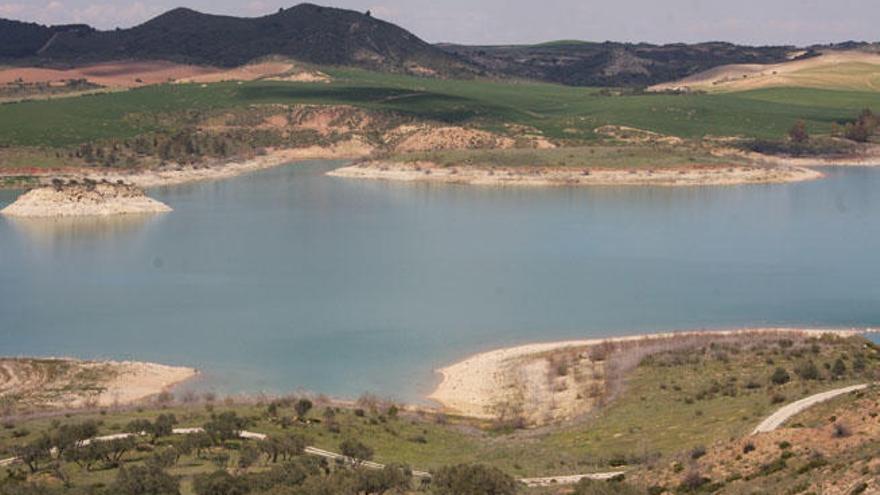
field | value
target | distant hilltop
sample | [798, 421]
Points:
[306, 32]
[337, 37]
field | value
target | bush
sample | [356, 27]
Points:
[145, 480]
[807, 370]
[219, 483]
[780, 376]
[390, 479]
[798, 132]
[698, 452]
[840, 430]
[302, 407]
[356, 450]
[839, 368]
[692, 481]
[472, 479]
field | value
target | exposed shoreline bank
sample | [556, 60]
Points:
[51, 383]
[867, 156]
[84, 200]
[575, 176]
[476, 385]
[184, 174]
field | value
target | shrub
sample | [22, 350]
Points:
[145, 480]
[698, 452]
[780, 376]
[356, 450]
[798, 132]
[859, 488]
[807, 370]
[839, 368]
[693, 481]
[390, 479]
[472, 479]
[840, 430]
[219, 483]
[302, 407]
[816, 461]
[748, 447]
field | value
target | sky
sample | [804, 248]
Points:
[756, 22]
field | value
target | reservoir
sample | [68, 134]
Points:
[288, 280]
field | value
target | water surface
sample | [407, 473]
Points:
[287, 279]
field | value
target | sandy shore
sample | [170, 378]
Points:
[567, 176]
[273, 158]
[40, 383]
[475, 386]
[102, 199]
[868, 157]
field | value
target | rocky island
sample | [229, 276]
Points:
[88, 198]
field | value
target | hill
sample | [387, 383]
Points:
[845, 70]
[580, 63]
[306, 32]
[25, 39]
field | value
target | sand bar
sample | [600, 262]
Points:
[575, 176]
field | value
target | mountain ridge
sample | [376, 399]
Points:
[306, 32]
[338, 37]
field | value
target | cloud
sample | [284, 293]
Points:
[106, 15]
[101, 15]
[257, 7]
[12, 9]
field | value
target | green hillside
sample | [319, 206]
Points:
[557, 111]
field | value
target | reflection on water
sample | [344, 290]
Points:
[63, 232]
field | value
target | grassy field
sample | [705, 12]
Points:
[556, 111]
[602, 156]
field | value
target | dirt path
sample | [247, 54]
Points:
[776, 419]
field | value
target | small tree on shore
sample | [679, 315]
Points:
[798, 132]
[302, 407]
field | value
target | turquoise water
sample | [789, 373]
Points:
[289, 280]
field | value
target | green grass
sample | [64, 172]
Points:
[602, 156]
[557, 111]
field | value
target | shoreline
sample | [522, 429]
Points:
[60, 382]
[472, 386]
[185, 174]
[766, 169]
[87, 200]
[868, 156]
[574, 177]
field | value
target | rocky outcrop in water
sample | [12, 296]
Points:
[88, 198]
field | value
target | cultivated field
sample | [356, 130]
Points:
[852, 71]
[555, 112]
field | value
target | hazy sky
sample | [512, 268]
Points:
[527, 21]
